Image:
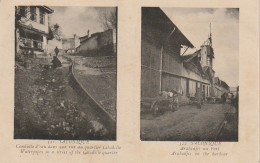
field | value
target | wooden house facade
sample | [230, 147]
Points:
[163, 66]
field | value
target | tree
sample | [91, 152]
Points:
[50, 34]
[55, 32]
[109, 19]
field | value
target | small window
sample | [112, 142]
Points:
[208, 61]
[33, 15]
[42, 17]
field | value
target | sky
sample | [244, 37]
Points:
[195, 25]
[77, 20]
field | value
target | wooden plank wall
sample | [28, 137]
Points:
[150, 77]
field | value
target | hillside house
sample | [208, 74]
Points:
[100, 43]
[32, 29]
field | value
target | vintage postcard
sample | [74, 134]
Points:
[65, 70]
[129, 81]
[190, 84]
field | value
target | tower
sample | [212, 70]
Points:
[207, 53]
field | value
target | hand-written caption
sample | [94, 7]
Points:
[199, 149]
[67, 147]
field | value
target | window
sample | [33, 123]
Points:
[42, 17]
[33, 15]
[37, 44]
[23, 11]
[208, 61]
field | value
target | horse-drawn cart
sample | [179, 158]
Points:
[163, 102]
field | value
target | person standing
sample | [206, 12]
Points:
[56, 62]
[56, 50]
[174, 99]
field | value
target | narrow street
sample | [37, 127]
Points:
[50, 105]
[189, 123]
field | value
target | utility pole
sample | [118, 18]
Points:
[161, 59]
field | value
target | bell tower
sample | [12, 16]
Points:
[207, 53]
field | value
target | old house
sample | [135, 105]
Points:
[32, 29]
[220, 87]
[100, 43]
[162, 66]
[196, 76]
[202, 70]
[165, 66]
[69, 45]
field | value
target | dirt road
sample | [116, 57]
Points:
[187, 124]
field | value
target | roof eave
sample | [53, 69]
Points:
[186, 41]
[47, 9]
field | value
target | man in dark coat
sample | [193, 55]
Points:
[56, 50]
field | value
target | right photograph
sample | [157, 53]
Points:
[189, 74]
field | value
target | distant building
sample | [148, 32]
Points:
[69, 45]
[100, 43]
[32, 29]
[233, 90]
[220, 87]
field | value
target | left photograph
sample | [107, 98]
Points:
[65, 73]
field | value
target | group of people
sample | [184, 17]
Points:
[225, 97]
[233, 99]
[173, 96]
